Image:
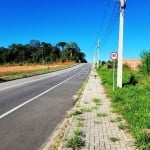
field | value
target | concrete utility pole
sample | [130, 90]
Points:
[120, 44]
[98, 46]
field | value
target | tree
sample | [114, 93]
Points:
[145, 56]
[61, 45]
[3, 55]
[37, 52]
[35, 43]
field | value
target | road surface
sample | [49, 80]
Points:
[31, 108]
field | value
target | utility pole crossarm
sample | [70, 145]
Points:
[123, 4]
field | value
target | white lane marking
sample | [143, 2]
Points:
[26, 82]
[32, 99]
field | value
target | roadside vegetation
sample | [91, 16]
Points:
[8, 73]
[35, 57]
[133, 100]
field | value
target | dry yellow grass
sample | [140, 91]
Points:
[32, 67]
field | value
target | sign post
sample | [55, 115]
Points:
[114, 57]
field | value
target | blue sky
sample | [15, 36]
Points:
[80, 21]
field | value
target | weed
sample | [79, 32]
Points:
[97, 101]
[75, 141]
[79, 118]
[79, 124]
[85, 110]
[118, 119]
[114, 139]
[77, 132]
[101, 114]
[75, 113]
[122, 126]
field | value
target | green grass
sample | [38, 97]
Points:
[79, 118]
[75, 141]
[78, 132]
[97, 101]
[123, 126]
[76, 112]
[132, 102]
[117, 119]
[79, 124]
[83, 110]
[94, 107]
[114, 139]
[101, 114]
[144, 138]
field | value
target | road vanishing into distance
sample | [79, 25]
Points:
[31, 108]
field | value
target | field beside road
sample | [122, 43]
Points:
[11, 72]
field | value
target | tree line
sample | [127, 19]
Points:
[39, 52]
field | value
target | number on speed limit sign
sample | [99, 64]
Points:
[114, 56]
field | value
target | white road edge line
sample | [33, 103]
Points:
[34, 98]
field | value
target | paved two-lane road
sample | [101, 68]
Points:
[31, 108]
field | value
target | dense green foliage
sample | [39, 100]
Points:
[38, 52]
[132, 101]
[145, 56]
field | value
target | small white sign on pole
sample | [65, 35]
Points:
[114, 57]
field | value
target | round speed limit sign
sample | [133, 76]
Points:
[114, 56]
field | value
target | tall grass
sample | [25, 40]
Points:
[7, 76]
[133, 102]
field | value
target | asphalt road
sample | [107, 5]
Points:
[31, 108]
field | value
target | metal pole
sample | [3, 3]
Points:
[98, 53]
[43, 58]
[120, 44]
[114, 75]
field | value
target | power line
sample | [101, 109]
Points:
[106, 4]
[107, 26]
[112, 21]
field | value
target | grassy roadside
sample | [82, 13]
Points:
[7, 76]
[133, 102]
